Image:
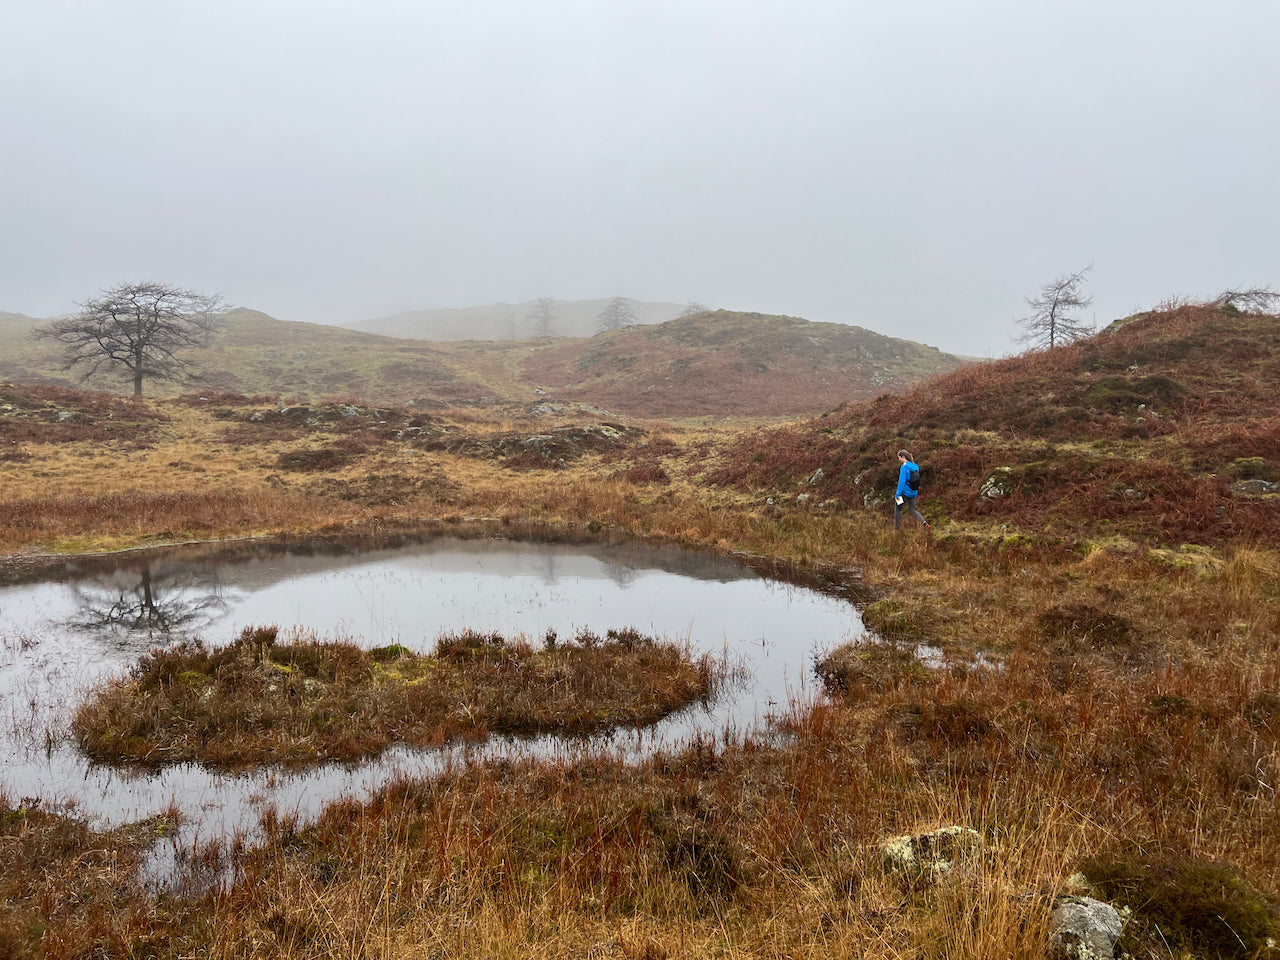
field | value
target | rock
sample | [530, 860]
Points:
[1253, 486]
[1084, 929]
[65, 415]
[933, 853]
[1132, 494]
[804, 498]
[999, 484]
[817, 476]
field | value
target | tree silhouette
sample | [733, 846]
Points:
[139, 327]
[543, 312]
[616, 315]
[1051, 320]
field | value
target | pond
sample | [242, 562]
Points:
[81, 622]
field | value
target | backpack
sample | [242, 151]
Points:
[913, 480]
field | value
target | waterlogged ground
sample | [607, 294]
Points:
[90, 620]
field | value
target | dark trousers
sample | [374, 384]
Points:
[910, 504]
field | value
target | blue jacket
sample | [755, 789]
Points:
[907, 469]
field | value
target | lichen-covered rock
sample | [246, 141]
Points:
[999, 484]
[933, 853]
[1083, 928]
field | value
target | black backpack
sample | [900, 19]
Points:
[913, 480]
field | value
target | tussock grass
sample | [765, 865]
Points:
[257, 701]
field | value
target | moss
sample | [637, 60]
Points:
[1205, 907]
[1251, 468]
[1191, 557]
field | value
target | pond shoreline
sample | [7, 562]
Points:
[833, 579]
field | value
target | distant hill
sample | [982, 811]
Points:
[711, 364]
[728, 363]
[1164, 426]
[509, 321]
[26, 360]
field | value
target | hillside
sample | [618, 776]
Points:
[1152, 429]
[508, 321]
[712, 364]
[723, 363]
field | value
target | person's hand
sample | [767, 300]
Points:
[898, 501]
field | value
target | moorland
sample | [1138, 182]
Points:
[1102, 578]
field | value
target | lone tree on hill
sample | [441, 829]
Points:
[543, 312]
[616, 315]
[139, 327]
[693, 307]
[1051, 320]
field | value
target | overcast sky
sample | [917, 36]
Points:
[914, 168]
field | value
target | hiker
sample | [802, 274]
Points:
[908, 490]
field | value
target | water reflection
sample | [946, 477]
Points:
[407, 592]
[159, 604]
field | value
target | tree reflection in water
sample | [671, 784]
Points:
[148, 603]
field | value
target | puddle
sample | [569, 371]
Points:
[91, 620]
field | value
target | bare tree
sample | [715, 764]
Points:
[692, 307]
[616, 315]
[544, 311]
[1052, 320]
[139, 327]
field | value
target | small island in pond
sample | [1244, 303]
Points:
[259, 701]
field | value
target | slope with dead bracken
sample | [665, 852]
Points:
[724, 363]
[1139, 431]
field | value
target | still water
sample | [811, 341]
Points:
[88, 621]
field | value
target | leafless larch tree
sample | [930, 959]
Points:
[1052, 320]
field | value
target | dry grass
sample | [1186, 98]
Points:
[67, 891]
[257, 701]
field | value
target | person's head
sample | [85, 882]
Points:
[905, 456]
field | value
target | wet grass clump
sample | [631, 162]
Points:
[259, 701]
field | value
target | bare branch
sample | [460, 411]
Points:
[1249, 300]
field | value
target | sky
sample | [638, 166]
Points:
[918, 169]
